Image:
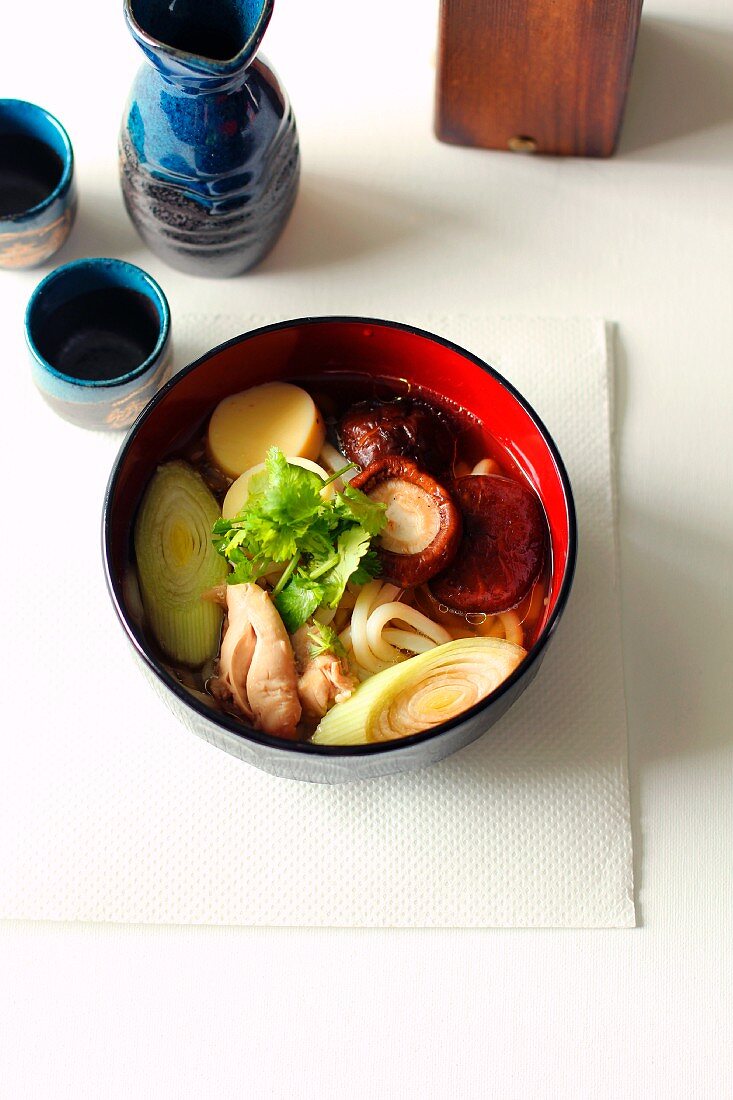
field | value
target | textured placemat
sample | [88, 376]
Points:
[110, 810]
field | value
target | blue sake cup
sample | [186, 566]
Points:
[37, 190]
[98, 332]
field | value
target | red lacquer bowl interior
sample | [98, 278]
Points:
[304, 348]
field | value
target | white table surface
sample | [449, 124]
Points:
[389, 218]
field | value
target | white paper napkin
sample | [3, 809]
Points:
[112, 811]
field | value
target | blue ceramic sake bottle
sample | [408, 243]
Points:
[209, 158]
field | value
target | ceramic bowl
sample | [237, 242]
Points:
[302, 348]
[37, 190]
[98, 333]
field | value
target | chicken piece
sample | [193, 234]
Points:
[323, 680]
[256, 667]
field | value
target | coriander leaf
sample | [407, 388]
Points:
[222, 526]
[357, 506]
[316, 571]
[286, 519]
[243, 571]
[284, 492]
[369, 567]
[324, 639]
[297, 602]
[278, 541]
[318, 541]
[351, 547]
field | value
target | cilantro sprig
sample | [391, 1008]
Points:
[324, 639]
[323, 543]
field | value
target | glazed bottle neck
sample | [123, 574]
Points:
[199, 47]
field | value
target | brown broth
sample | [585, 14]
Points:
[343, 389]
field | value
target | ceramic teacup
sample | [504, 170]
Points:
[98, 332]
[37, 190]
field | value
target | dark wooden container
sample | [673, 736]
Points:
[546, 76]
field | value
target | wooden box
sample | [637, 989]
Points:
[546, 76]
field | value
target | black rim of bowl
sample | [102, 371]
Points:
[374, 748]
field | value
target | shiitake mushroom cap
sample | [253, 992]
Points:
[372, 430]
[407, 569]
[503, 547]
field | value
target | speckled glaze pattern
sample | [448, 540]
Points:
[111, 404]
[33, 236]
[209, 156]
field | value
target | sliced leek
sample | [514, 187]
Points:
[421, 692]
[176, 562]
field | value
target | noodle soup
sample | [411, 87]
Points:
[325, 589]
[448, 541]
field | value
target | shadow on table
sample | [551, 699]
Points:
[102, 228]
[674, 573]
[338, 219]
[335, 220]
[681, 87]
